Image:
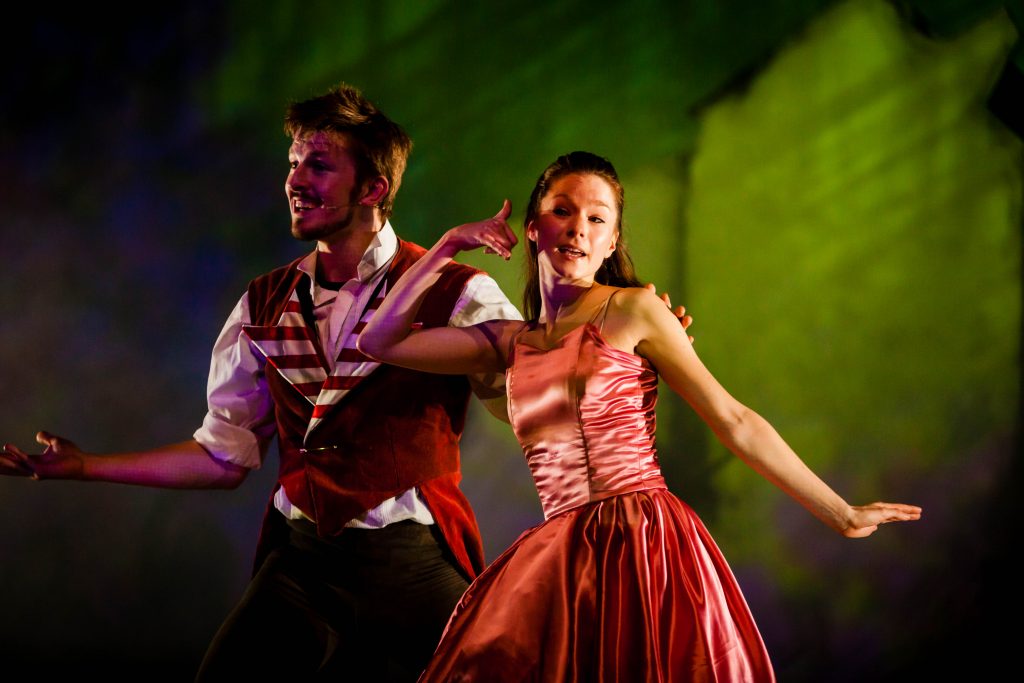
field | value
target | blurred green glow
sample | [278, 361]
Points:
[854, 242]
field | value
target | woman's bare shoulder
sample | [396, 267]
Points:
[631, 301]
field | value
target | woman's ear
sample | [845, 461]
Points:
[614, 243]
[375, 191]
[531, 232]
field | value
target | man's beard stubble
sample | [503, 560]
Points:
[326, 230]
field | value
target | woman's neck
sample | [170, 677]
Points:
[560, 300]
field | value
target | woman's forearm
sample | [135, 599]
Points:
[393, 320]
[757, 443]
[389, 336]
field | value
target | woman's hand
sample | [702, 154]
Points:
[864, 519]
[493, 234]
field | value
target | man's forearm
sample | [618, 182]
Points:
[184, 465]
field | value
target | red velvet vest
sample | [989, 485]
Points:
[395, 428]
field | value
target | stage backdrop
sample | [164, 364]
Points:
[833, 189]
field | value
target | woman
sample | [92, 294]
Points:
[621, 581]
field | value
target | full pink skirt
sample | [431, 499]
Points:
[630, 588]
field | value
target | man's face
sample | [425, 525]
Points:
[322, 186]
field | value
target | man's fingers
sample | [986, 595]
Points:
[15, 465]
[15, 468]
[51, 441]
[13, 458]
[663, 296]
[16, 454]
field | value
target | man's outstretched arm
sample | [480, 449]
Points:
[182, 465]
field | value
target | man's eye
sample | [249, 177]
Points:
[293, 164]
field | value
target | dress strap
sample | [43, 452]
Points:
[602, 312]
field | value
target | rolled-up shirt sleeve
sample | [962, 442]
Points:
[482, 300]
[239, 423]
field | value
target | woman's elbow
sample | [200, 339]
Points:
[368, 345]
[736, 425]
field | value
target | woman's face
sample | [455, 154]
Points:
[576, 226]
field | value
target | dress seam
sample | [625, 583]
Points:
[579, 415]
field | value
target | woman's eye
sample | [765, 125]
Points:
[596, 219]
[561, 212]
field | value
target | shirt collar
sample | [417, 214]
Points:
[378, 254]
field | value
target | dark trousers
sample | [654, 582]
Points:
[369, 605]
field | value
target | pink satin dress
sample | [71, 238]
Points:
[621, 582]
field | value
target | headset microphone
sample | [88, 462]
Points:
[332, 207]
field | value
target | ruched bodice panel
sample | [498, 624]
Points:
[584, 413]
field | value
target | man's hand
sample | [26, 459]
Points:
[61, 459]
[678, 311]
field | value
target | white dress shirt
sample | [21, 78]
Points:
[239, 422]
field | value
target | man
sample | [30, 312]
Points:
[367, 543]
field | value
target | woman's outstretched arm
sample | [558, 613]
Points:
[662, 341]
[389, 336]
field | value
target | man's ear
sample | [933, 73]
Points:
[374, 191]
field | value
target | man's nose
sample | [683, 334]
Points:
[296, 179]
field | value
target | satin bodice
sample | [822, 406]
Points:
[583, 412]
